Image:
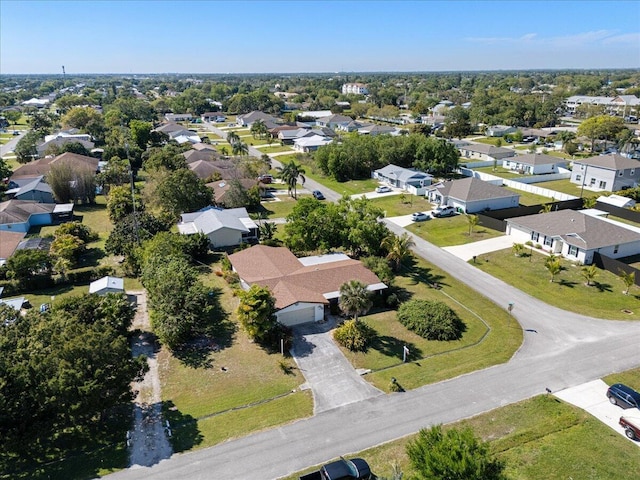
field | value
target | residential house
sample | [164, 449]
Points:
[249, 119]
[55, 142]
[9, 242]
[195, 155]
[609, 173]
[482, 151]
[373, 130]
[404, 178]
[575, 235]
[43, 165]
[302, 287]
[221, 188]
[622, 105]
[36, 102]
[617, 201]
[213, 117]
[30, 189]
[355, 89]
[288, 136]
[352, 126]
[310, 144]
[315, 114]
[178, 117]
[170, 127]
[21, 215]
[333, 121]
[472, 195]
[534, 164]
[107, 285]
[499, 130]
[225, 228]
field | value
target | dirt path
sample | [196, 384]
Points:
[148, 441]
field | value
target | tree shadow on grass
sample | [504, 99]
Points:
[567, 283]
[393, 347]
[91, 257]
[602, 287]
[184, 428]
[420, 274]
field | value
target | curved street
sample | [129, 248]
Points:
[560, 349]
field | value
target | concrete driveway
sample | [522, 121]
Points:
[592, 397]
[405, 220]
[468, 251]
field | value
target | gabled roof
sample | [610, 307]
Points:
[19, 211]
[206, 147]
[312, 141]
[43, 165]
[221, 187]
[256, 115]
[400, 173]
[537, 159]
[26, 185]
[335, 118]
[194, 155]
[114, 283]
[377, 129]
[576, 228]
[472, 189]
[213, 219]
[9, 242]
[169, 127]
[613, 161]
[291, 281]
[484, 148]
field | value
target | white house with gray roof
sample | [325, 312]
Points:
[333, 121]
[575, 235]
[404, 178]
[482, 151]
[608, 173]
[472, 195]
[224, 228]
[534, 164]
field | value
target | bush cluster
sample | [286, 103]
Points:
[431, 320]
[354, 335]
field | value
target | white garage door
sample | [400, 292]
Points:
[296, 317]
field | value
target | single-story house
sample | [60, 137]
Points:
[30, 189]
[617, 201]
[534, 163]
[249, 119]
[606, 172]
[178, 117]
[195, 155]
[9, 242]
[310, 144]
[302, 287]
[378, 130]
[106, 285]
[314, 114]
[43, 165]
[222, 187]
[575, 235]
[482, 151]
[225, 228]
[59, 141]
[352, 126]
[15, 303]
[333, 121]
[169, 128]
[21, 215]
[215, 117]
[472, 195]
[289, 135]
[401, 177]
[499, 130]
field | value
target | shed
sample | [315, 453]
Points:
[106, 285]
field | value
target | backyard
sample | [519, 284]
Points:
[563, 186]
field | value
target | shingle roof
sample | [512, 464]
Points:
[19, 211]
[43, 165]
[537, 159]
[484, 148]
[576, 228]
[472, 189]
[400, 173]
[214, 219]
[335, 118]
[290, 281]
[613, 161]
[9, 242]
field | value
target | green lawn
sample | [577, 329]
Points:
[276, 149]
[538, 439]
[210, 399]
[279, 208]
[563, 186]
[499, 171]
[527, 198]
[395, 205]
[450, 231]
[491, 141]
[350, 187]
[492, 335]
[569, 290]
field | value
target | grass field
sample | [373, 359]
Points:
[351, 187]
[563, 186]
[491, 338]
[538, 439]
[279, 208]
[499, 172]
[528, 199]
[450, 231]
[275, 149]
[393, 205]
[605, 299]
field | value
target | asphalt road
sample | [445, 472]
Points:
[11, 144]
[560, 350]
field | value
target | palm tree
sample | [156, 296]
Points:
[546, 208]
[472, 220]
[239, 148]
[259, 128]
[232, 138]
[629, 278]
[552, 263]
[565, 137]
[290, 172]
[518, 249]
[267, 230]
[399, 249]
[355, 299]
[589, 273]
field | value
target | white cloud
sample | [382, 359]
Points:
[526, 38]
[583, 39]
[630, 38]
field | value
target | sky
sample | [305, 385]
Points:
[166, 36]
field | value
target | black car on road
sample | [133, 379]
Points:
[317, 194]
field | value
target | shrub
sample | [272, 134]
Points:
[354, 335]
[431, 320]
[529, 243]
[393, 301]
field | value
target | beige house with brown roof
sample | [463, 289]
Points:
[576, 235]
[9, 241]
[302, 287]
[43, 165]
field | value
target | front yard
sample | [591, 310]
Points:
[450, 231]
[605, 299]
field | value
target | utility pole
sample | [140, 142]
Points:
[63, 73]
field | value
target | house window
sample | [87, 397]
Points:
[633, 172]
[535, 236]
[548, 241]
[578, 178]
[603, 184]
[573, 251]
[615, 249]
[592, 182]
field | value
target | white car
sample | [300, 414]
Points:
[443, 211]
[419, 217]
[383, 189]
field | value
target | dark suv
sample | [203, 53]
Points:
[623, 396]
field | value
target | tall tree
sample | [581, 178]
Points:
[180, 191]
[628, 278]
[398, 248]
[239, 148]
[290, 172]
[256, 312]
[354, 299]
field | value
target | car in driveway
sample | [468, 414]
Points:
[443, 211]
[419, 217]
[623, 396]
[383, 189]
[317, 194]
[631, 427]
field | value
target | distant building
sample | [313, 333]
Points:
[355, 88]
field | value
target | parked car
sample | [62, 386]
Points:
[631, 427]
[317, 194]
[623, 396]
[383, 189]
[343, 469]
[419, 217]
[265, 178]
[443, 211]
[16, 132]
